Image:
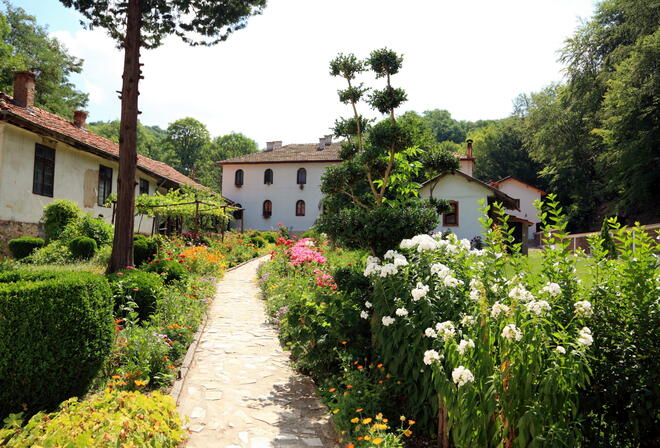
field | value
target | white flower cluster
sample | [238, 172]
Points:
[388, 269]
[420, 291]
[511, 332]
[584, 337]
[387, 321]
[498, 308]
[464, 345]
[538, 307]
[521, 294]
[451, 282]
[373, 266]
[552, 288]
[431, 356]
[401, 312]
[461, 376]
[430, 333]
[468, 320]
[446, 329]
[364, 315]
[561, 350]
[421, 242]
[476, 289]
[440, 270]
[397, 258]
[583, 308]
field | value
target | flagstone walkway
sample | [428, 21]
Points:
[240, 391]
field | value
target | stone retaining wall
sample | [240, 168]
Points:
[14, 229]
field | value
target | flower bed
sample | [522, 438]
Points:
[477, 346]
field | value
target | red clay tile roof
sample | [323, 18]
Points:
[496, 184]
[41, 120]
[305, 152]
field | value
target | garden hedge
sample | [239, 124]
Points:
[24, 246]
[56, 329]
[171, 270]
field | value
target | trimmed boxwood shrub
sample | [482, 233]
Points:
[24, 246]
[82, 247]
[56, 329]
[144, 249]
[57, 215]
[134, 285]
[271, 237]
[171, 270]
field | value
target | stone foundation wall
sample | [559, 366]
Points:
[14, 229]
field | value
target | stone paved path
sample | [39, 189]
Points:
[240, 391]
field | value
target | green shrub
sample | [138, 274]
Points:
[378, 229]
[137, 286]
[144, 249]
[56, 252]
[57, 215]
[171, 270]
[104, 420]
[94, 228]
[57, 329]
[257, 241]
[271, 237]
[24, 246]
[82, 247]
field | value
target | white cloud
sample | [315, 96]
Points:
[271, 82]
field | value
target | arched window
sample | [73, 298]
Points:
[450, 219]
[268, 176]
[238, 214]
[301, 178]
[267, 209]
[300, 208]
[238, 178]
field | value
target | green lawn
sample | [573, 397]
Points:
[534, 259]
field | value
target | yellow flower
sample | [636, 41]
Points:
[378, 441]
[336, 411]
[379, 416]
[139, 383]
[367, 437]
[402, 418]
[355, 420]
[380, 426]
[407, 433]
[366, 421]
[116, 377]
[411, 422]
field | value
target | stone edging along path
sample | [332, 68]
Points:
[238, 389]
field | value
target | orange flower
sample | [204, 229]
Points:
[349, 386]
[360, 438]
[343, 342]
[359, 410]
[355, 420]
[350, 445]
[116, 377]
[411, 422]
[380, 366]
[407, 433]
[332, 389]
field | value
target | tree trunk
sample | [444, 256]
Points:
[122, 246]
[443, 424]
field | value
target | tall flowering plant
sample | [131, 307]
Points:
[496, 354]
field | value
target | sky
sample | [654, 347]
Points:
[270, 81]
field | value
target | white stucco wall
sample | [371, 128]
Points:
[284, 192]
[76, 178]
[527, 196]
[468, 194]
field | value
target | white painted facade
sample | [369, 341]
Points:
[454, 187]
[283, 193]
[527, 195]
[76, 178]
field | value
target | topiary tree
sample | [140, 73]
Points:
[82, 248]
[381, 163]
[24, 246]
[135, 24]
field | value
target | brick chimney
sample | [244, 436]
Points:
[273, 145]
[79, 118]
[24, 88]
[466, 163]
[321, 145]
[328, 140]
[469, 148]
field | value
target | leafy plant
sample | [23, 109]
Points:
[57, 215]
[144, 249]
[139, 287]
[102, 420]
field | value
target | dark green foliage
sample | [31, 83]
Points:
[144, 249]
[95, 228]
[387, 99]
[257, 240]
[57, 329]
[608, 243]
[57, 215]
[171, 270]
[378, 228]
[24, 246]
[26, 45]
[82, 248]
[134, 285]
[271, 237]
